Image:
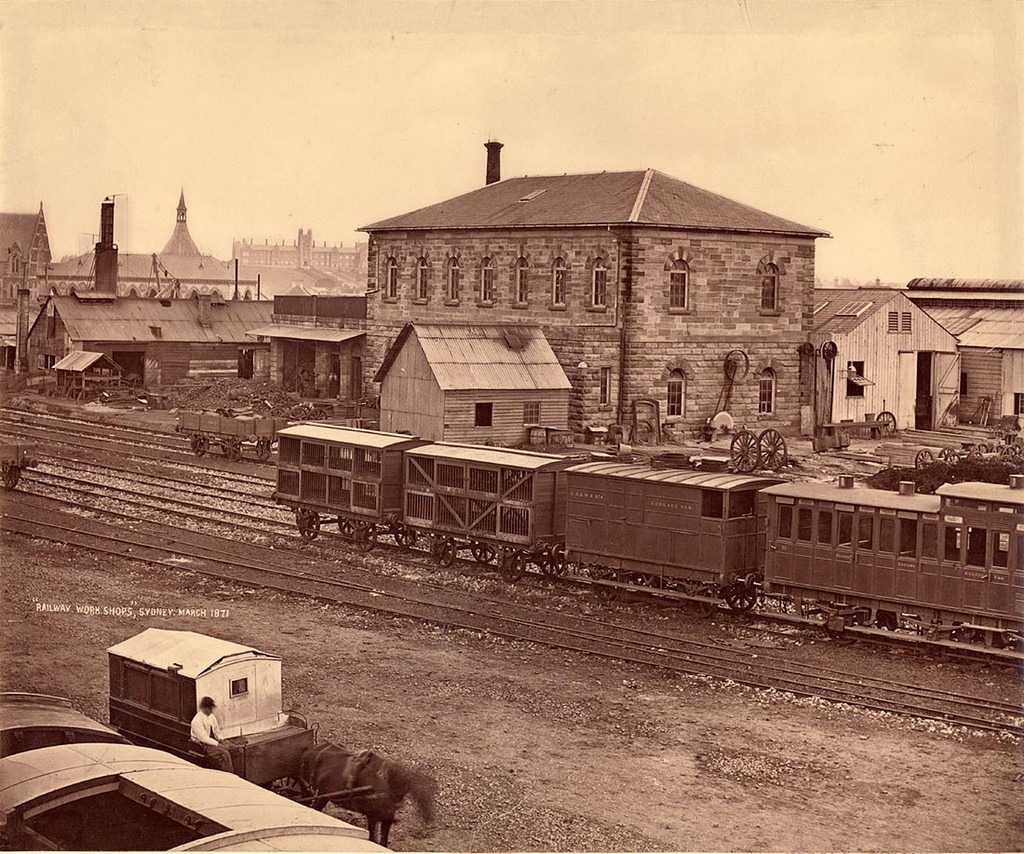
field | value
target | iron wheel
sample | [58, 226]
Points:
[744, 451]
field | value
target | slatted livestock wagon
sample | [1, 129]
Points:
[158, 677]
[950, 564]
[31, 721]
[694, 534]
[232, 434]
[120, 797]
[14, 458]
[496, 502]
[350, 474]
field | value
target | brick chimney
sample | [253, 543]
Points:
[21, 340]
[106, 252]
[493, 161]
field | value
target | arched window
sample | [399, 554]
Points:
[676, 393]
[421, 278]
[132, 292]
[559, 282]
[599, 284]
[679, 284]
[522, 281]
[391, 280]
[215, 294]
[453, 279]
[766, 392]
[770, 287]
[486, 280]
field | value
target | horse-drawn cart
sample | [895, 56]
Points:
[230, 433]
[14, 458]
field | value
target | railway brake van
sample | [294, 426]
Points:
[700, 534]
[949, 564]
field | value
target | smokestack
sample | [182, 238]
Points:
[106, 251]
[21, 341]
[493, 161]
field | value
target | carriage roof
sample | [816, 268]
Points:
[997, 492]
[348, 435]
[861, 496]
[705, 480]
[250, 815]
[487, 455]
[193, 652]
[21, 712]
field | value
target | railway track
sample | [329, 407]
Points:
[295, 573]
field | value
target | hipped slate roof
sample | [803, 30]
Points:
[482, 357]
[603, 198]
[135, 318]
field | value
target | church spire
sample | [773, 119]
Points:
[181, 242]
[182, 210]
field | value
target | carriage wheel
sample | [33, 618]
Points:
[924, 458]
[346, 528]
[740, 596]
[974, 455]
[555, 563]
[949, 455]
[512, 564]
[11, 476]
[483, 553]
[444, 551]
[200, 444]
[232, 450]
[318, 413]
[366, 536]
[308, 522]
[743, 451]
[887, 421]
[772, 449]
[263, 448]
[405, 537]
[966, 635]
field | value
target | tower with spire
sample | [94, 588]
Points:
[181, 242]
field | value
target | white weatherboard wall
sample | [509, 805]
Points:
[256, 710]
[1013, 378]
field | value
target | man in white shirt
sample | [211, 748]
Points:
[206, 733]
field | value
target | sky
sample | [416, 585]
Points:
[895, 126]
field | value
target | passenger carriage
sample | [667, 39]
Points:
[30, 721]
[697, 534]
[348, 473]
[497, 502]
[120, 797]
[950, 564]
[158, 677]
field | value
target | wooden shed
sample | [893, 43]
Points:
[885, 354]
[472, 383]
[82, 372]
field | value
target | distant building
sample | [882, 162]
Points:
[328, 270]
[24, 255]
[179, 270]
[987, 318]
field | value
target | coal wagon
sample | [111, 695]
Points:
[232, 434]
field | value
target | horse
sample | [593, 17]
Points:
[328, 769]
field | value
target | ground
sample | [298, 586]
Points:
[543, 750]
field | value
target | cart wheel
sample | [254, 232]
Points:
[232, 450]
[949, 455]
[11, 475]
[366, 536]
[346, 528]
[405, 537]
[512, 565]
[318, 414]
[740, 596]
[888, 421]
[444, 551]
[308, 523]
[743, 451]
[772, 449]
[263, 448]
[555, 563]
[924, 458]
[200, 444]
[483, 553]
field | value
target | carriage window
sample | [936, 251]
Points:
[908, 537]
[239, 687]
[886, 534]
[1000, 548]
[712, 504]
[804, 524]
[845, 528]
[165, 695]
[952, 551]
[930, 540]
[976, 545]
[785, 521]
[136, 685]
[866, 531]
[741, 504]
[825, 527]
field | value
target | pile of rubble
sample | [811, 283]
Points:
[929, 478]
[247, 397]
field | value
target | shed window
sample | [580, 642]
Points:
[825, 527]
[239, 686]
[531, 413]
[712, 504]
[894, 321]
[484, 415]
[742, 504]
[855, 380]
[785, 521]
[907, 324]
[1018, 403]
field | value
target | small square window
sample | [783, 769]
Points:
[484, 415]
[239, 687]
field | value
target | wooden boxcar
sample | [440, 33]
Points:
[494, 501]
[699, 534]
[946, 563]
[158, 677]
[31, 721]
[120, 797]
[352, 474]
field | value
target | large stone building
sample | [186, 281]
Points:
[643, 285]
[24, 255]
[180, 269]
[303, 267]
